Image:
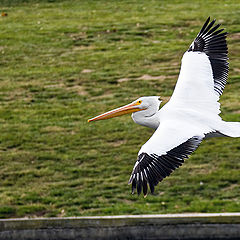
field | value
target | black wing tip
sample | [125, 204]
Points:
[152, 169]
[212, 41]
[145, 191]
[207, 35]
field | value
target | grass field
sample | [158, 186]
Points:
[63, 62]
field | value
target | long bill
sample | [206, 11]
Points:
[130, 108]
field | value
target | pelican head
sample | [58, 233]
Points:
[141, 108]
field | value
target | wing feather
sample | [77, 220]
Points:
[212, 42]
[155, 168]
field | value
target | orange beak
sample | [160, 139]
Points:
[130, 108]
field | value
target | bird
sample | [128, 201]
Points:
[190, 116]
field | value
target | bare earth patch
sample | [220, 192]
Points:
[237, 112]
[117, 143]
[52, 129]
[58, 85]
[144, 77]
[236, 70]
[87, 71]
[123, 80]
[79, 89]
[81, 48]
[235, 36]
[149, 77]
[165, 99]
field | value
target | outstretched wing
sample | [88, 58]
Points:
[172, 142]
[150, 169]
[204, 71]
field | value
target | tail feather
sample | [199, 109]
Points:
[230, 129]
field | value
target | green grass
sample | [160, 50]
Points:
[63, 62]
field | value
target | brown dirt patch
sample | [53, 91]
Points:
[235, 36]
[149, 77]
[123, 80]
[144, 77]
[52, 129]
[79, 89]
[87, 71]
[81, 48]
[117, 143]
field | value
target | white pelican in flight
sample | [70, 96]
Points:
[191, 115]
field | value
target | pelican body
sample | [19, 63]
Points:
[191, 115]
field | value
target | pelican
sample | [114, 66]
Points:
[190, 116]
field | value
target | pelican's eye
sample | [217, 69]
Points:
[140, 101]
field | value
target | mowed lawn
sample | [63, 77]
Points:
[62, 62]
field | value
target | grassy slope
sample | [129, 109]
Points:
[64, 62]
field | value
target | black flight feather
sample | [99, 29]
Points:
[150, 169]
[213, 42]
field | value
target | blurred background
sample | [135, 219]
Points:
[63, 62]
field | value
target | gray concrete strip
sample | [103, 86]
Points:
[177, 215]
[165, 226]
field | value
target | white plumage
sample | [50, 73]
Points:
[191, 114]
